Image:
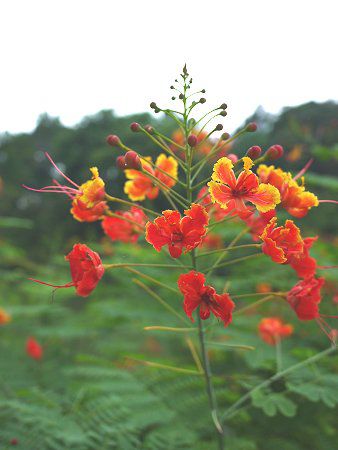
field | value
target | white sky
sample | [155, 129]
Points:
[73, 58]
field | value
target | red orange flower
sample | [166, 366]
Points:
[214, 210]
[33, 348]
[304, 298]
[257, 222]
[285, 245]
[176, 232]
[272, 329]
[196, 294]
[88, 203]
[140, 186]
[86, 270]
[232, 193]
[4, 317]
[294, 198]
[122, 230]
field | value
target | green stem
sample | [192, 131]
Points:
[172, 266]
[161, 301]
[255, 294]
[161, 170]
[232, 410]
[222, 255]
[209, 384]
[230, 248]
[216, 149]
[226, 219]
[118, 216]
[152, 280]
[178, 197]
[126, 202]
[205, 357]
[253, 305]
[278, 354]
[234, 261]
[163, 147]
[162, 136]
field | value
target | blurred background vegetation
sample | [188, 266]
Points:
[88, 392]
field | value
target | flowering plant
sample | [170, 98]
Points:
[246, 189]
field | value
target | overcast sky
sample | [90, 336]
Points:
[73, 58]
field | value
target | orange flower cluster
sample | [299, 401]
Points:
[294, 198]
[285, 245]
[140, 185]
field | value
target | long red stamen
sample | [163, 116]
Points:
[327, 267]
[304, 169]
[67, 190]
[330, 317]
[321, 322]
[51, 189]
[70, 284]
[328, 201]
[60, 172]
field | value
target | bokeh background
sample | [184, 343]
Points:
[85, 70]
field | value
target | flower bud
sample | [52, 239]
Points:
[274, 152]
[153, 104]
[223, 113]
[219, 127]
[135, 127]
[223, 106]
[203, 100]
[233, 158]
[173, 98]
[121, 163]
[113, 140]
[251, 127]
[181, 96]
[149, 129]
[14, 441]
[132, 160]
[254, 152]
[225, 136]
[192, 140]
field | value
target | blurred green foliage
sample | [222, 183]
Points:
[90, 391]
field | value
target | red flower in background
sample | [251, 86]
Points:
[272, 329]
[196, 294]
[122, 230]
[304, 298]
[285, 245]
[33, 348]
[86, 270]
[4, 317]
[176, 232]
[257, 222]
[212, 241]
[140, 186]
[304, 264]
